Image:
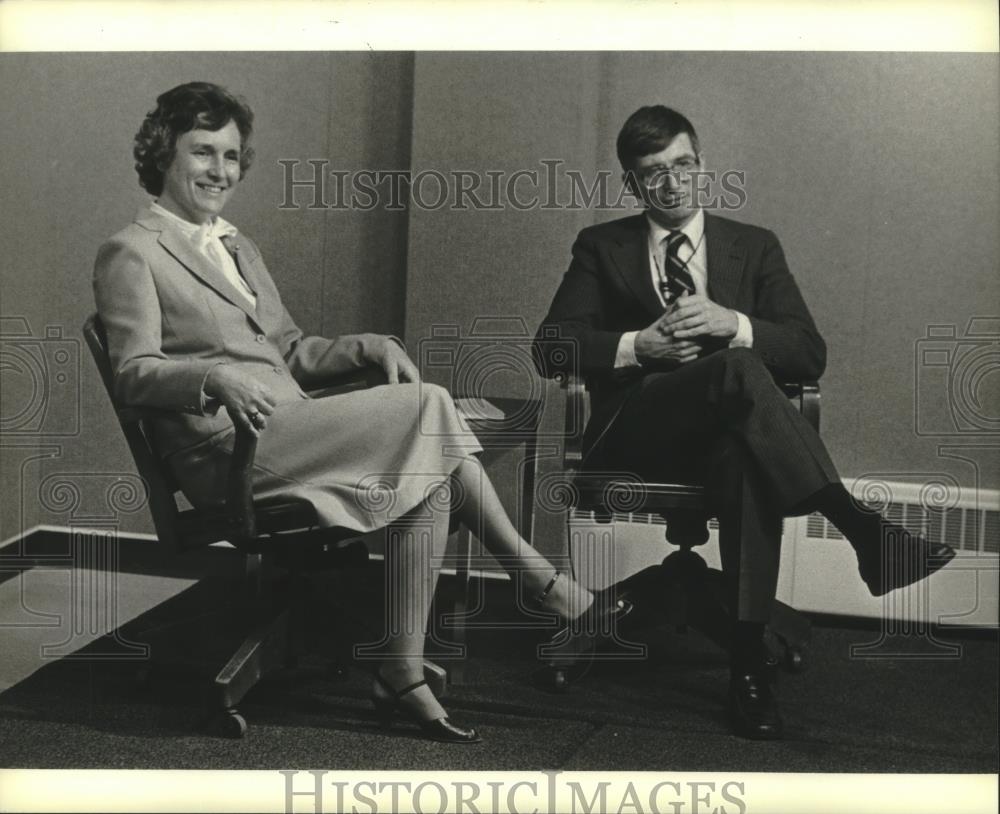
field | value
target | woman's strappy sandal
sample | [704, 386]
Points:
[390, 702]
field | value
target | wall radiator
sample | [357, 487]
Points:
[819, 568]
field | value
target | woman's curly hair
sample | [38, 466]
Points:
[195, 105]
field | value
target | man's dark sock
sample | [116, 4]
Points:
[889, 556]
[862, 527]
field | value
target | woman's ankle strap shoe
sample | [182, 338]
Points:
[540, 599]
[437, 729]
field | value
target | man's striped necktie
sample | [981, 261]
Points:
[676, 279]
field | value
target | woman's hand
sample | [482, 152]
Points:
[247, 400]
[397, 365]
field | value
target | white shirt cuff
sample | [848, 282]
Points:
[744, 332]
[625, 357]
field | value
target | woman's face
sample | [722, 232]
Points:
[203, 174]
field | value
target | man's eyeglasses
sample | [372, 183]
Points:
[653, 177]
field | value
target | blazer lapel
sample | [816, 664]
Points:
[726, 261]
[189, 257]
[242, 252]
[631, 258]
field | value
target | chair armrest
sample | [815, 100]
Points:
[345, 382]
[576, 406]
[806, 396]
[133, 415]
[360, 379]
[239, 492]
[239, 487]
[239, 504]
[239, 483]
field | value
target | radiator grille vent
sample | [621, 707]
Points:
[965, 529]
[643, 518]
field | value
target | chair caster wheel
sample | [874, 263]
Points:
[230, 724]
[553, 679]
[794, 660]
[560, 680]
[337, 671]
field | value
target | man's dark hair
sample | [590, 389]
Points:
[192, 106]
[649, 130]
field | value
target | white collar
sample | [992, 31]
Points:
[694, 229]
[199, 231]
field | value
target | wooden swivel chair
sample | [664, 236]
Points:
[273, 537]
[691, 592]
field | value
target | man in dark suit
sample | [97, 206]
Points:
[681, 322]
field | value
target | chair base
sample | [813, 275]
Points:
[263, 651]
[690, 594]
[275, 616]
[271, 651]
[693, 596]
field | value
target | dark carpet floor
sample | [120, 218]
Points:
[661, 713]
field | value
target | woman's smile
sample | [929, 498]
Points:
[204, 171]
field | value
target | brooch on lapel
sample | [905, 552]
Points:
[231, 247]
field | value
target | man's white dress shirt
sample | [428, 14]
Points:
[692, 251]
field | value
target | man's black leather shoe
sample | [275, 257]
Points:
[903, 559]
[753, 709]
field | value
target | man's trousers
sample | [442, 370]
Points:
[723, 422]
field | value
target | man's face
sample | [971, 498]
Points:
[663, 182]
[203, 174]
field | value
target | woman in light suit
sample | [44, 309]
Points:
[194, 323]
